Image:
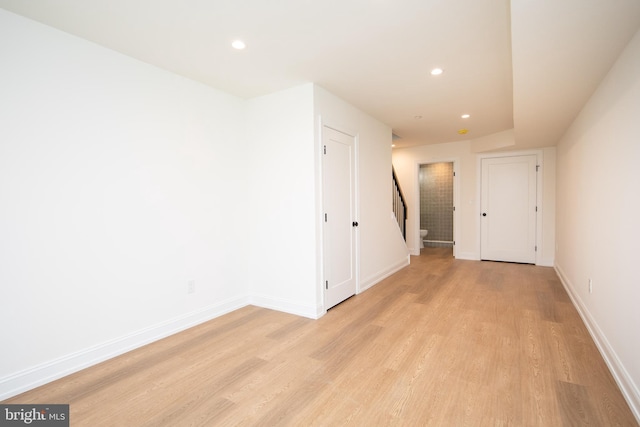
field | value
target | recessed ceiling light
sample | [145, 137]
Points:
[437, 71]
[238, 44]
[465, 116]
[393, 145]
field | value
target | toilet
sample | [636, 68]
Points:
[423, 235]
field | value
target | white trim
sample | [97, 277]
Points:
[287, 306]
[545, 262]
[383, 274]
[471, 256]
[539, 186]
[628, 388]
[320, 295]
[539, 205]
[356, 185]
[456, 200]
[38, 375]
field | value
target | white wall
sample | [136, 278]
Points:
[406, 162]
[285, 227]
[281, 198]
[548, 243]
[598, 220]
[116, 181]
[382, 247]
[121, 183]
[501, 140]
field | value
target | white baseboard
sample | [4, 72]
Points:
[286, 306]
[629, 389]
[471, 256]
[546, 262]
[368, 282]
[50, 371]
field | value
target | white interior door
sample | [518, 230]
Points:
[508, 209]
[340, 224]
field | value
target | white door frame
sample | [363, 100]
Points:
[356, 140]
[456, 201]
[540, 158]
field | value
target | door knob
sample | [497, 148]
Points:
[484, 214]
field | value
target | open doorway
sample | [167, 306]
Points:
[437, 207]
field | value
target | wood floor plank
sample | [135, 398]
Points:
[442, 342]
[574, 404]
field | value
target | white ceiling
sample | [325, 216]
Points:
[529, 65]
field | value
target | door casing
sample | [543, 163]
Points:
[327, 278]
[509, 209]
[456, 201]
[539, 196]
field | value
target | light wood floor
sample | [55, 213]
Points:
[441, 343]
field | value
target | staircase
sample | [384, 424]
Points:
[399, 205]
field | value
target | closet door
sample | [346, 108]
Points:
[340, 223]
[508, 209]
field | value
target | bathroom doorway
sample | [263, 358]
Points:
[437, 206]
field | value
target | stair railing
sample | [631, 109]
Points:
[399, 205]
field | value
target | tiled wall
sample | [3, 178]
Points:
[436, 202]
